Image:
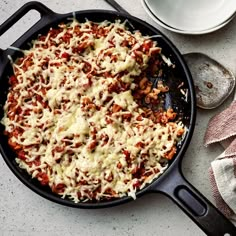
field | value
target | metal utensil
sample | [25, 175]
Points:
[213, 82]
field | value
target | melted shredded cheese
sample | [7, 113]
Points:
[61, 114]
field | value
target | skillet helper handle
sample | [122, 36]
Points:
[42, 9]
[45, 13]
[195, 205]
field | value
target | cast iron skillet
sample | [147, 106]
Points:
[171, 183]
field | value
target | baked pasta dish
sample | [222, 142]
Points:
[82, 116]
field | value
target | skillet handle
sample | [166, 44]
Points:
[42, 9]
[194, 204]
[46, 15]
[117, 6]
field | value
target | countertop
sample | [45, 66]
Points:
[22, 212]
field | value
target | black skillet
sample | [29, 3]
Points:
[171, 182]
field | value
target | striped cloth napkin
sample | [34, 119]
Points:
[222, 128]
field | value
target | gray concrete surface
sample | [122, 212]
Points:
[23, 213]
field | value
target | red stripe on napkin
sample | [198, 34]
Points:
[222, 126]
[220, 203]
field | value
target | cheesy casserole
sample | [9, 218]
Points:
[83, 118]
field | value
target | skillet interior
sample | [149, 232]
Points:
[185, 106]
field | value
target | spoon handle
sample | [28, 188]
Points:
[116, 6]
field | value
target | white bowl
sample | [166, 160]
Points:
[191, 16]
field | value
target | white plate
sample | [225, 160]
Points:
[191, 16]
